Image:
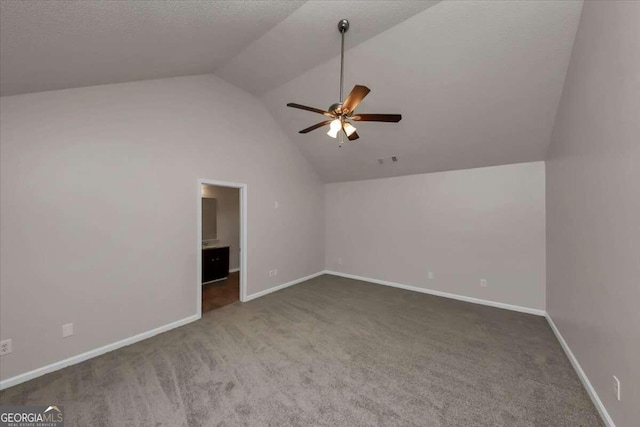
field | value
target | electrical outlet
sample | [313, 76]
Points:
[270, 273]
[430, 275]
[339, 261]
[5, 347]
[67, 330]
[616, 387]
[483, 283]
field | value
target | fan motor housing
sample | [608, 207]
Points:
[336, 108]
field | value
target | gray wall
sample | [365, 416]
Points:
[98, 213]
[593, 205]
[209, 218]
[227, 219]
[485, 223]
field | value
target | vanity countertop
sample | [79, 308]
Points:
[218, 246]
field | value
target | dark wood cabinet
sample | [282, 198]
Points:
[215, 264]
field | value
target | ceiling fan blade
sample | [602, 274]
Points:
[353, 99]
[314, 110]
[391, 118]
[351, 137]
[316, 126]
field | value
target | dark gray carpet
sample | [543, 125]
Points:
[330, 352]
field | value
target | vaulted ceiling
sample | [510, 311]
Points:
[256, 45]
[478, 82]
[49, 45]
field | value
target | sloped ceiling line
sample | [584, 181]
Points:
[477, 83]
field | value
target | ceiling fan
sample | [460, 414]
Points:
[341, 112]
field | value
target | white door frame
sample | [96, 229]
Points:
[243, 238]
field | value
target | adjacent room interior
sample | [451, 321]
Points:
[320, 213]
[220, 246]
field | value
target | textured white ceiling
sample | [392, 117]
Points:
[256, 45]
[478, 83]
[309, 37]
[47, 45]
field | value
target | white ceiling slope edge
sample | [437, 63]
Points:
[478, 84]
[49, 45]
[309, 37]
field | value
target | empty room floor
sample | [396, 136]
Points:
[329, 351]
[219, 294]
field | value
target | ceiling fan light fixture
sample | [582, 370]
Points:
[334, 128]
[339, 112]
[349, 129]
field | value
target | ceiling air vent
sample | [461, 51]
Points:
[390, 159]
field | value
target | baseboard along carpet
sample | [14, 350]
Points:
[330, 351]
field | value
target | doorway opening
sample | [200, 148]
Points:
[221, 243]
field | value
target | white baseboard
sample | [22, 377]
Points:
[521, 309]
[10, 382]
[214, 281]
[233, 270]
[581, 374]
[284, 285]
[574, 362]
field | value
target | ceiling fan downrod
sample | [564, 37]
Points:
[343, 27]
